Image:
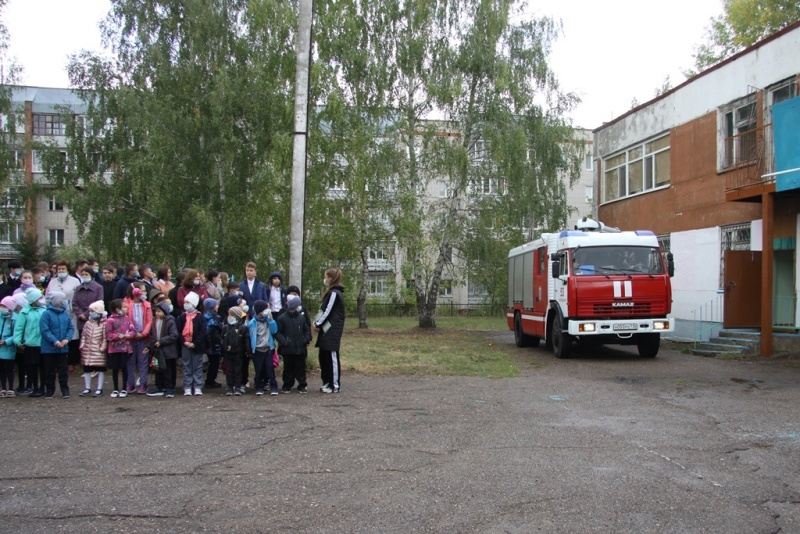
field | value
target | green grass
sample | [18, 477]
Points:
[459, 346]
[497, 324]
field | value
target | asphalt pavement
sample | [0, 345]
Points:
[605, 441]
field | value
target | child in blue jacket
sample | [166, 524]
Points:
[56, 328]
[262, 328]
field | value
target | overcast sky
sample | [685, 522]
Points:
[611, 52]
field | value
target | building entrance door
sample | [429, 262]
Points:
[784, 302]
[742, 289]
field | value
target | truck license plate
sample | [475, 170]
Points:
[625, 326]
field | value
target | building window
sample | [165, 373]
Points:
[665, 242]
[639, 169]
[17, 160]
[377, 284]
[443, 189]
[11, 199]
[56, 237]
[446, 288]
[732, 237]
[11, 231]
[587, 164]
[380, 252]
[479, 150]
[738, 133]
[49, 124]
[589, 192]
[492, 186]
[783, 92]
[54, 204]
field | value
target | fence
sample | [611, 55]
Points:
[445, 309]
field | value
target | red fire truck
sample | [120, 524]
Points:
[590, 285]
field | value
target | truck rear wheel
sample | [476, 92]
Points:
[521, 338]
[648, 345]
[562, 342]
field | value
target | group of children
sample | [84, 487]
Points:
[135, 335]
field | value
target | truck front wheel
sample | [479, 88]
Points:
[521, 338]
[562, 342]
[648, 345]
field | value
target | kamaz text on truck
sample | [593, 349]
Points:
[591, 285]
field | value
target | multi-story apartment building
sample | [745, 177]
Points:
[39, 115]
[713, 167]
[386, 260]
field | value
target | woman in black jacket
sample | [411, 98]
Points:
[329, 325]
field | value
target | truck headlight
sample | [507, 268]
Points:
[586, 327]
[660, 325]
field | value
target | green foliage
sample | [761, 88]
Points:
[28, 250]
[9, 74]
[742, 24]
[195, 167]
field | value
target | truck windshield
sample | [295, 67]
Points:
[617, 260]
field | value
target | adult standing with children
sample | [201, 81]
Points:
[329, 325]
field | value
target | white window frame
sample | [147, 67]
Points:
[588, 191]
[444, 189]
[377, 285]
[54, 205]
[446, 288]
[56, 237]
[645, 156]
[11, 231]
[737, 125]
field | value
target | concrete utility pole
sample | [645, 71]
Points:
[297, 230]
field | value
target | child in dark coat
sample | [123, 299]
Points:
[293, 336]
[235, 339]
[164, 347]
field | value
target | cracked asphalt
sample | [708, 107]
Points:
[603, 442]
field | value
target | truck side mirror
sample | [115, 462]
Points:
[670, 265]
[556, 268]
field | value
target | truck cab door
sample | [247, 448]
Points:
[560, 277]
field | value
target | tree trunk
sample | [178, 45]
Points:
[362, 294]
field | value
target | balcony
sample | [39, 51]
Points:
[747, 158]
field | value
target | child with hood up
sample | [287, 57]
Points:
[293, 335]
[262, 327]
[235, 338]
[8, 350]
[93, 348]
[56, 328]
[119, 332]
[28, 336]
[164, 348]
